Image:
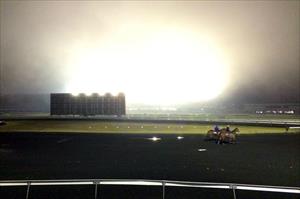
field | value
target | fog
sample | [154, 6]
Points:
[260, 39]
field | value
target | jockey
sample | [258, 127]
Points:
[217, 129]
[228, 128]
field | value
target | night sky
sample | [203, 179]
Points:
[260, 39]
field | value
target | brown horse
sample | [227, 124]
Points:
[228, 136]
[212, 135]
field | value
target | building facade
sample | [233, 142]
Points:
[68, 104]
[288, 108]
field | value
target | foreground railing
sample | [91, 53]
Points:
[162, 183]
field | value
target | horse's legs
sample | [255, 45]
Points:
[220, 141]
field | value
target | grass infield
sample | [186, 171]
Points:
[126, 127]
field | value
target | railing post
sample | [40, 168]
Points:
[163, 189]
[96, 189]
[28, 189]
[233, 190]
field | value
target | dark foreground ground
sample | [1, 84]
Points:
[268, 159]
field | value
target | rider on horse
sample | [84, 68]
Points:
[228, 128]
[216, 129]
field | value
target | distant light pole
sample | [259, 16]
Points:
[1, 81]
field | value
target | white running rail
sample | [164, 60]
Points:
[142, 182]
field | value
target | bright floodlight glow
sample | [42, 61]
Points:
[163, 67]
[154, 139]
[179, 137]
[75, 94]
[201, 150]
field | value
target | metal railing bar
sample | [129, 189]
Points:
[14, 184]
[255, 188]
[198, 186]
[199, 183]
[129, 180]
[269, 186]
[112, 180]
[60, 183]
[145, 182]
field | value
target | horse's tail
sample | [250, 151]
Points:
[209, 135]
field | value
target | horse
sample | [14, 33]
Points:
[212, 135]
[228, 137]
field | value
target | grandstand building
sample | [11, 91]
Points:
[286, 108]
[68, 104]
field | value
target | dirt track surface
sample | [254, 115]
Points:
[270, 159]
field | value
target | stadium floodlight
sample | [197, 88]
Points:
[184, 51]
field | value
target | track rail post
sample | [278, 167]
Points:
[233, 190]
[28, 189]
[96, 189]
[163, 189]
